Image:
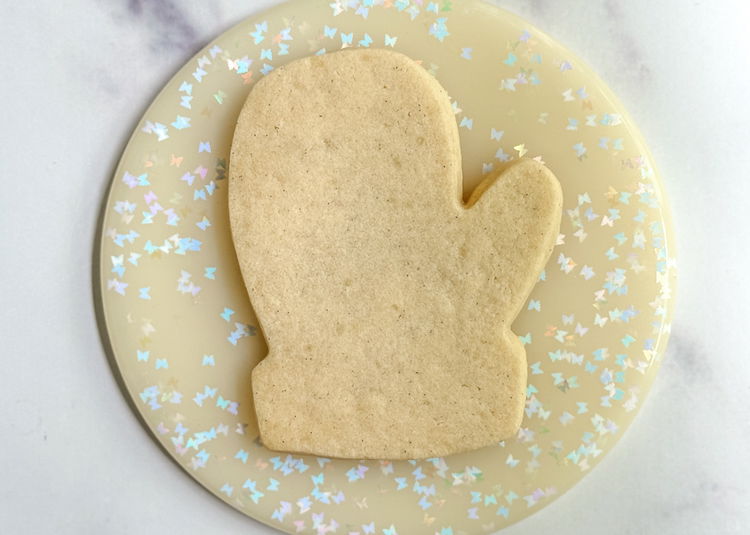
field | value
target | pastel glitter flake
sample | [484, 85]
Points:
[185, 339]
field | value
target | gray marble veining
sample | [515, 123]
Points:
[167, 21]
[78, 75]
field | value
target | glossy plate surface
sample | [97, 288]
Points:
[184, 336]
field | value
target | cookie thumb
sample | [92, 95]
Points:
[518, 212]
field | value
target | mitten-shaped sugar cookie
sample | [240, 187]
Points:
[385, 300]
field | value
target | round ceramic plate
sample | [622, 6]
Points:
[184, 335]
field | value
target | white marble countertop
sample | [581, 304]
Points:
[76, 77]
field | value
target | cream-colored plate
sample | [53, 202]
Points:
[183, 333]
